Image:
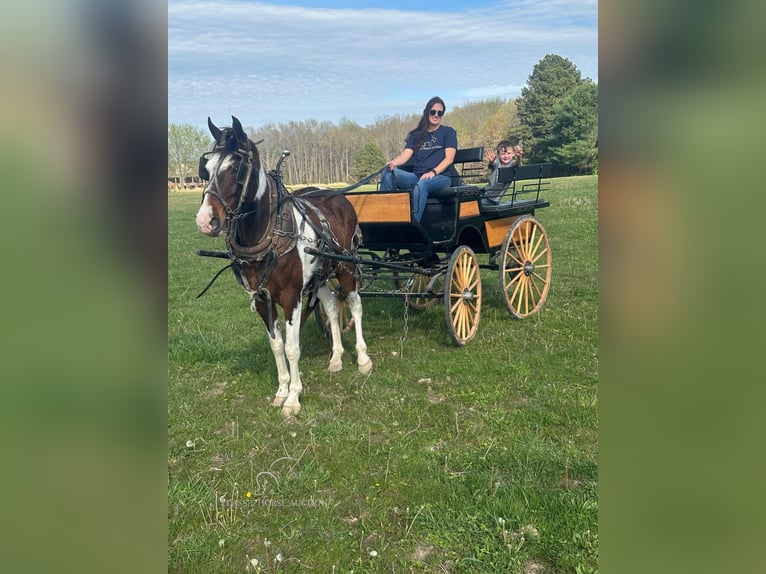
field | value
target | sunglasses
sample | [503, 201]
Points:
[439, 113]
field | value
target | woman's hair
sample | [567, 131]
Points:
[423, 123]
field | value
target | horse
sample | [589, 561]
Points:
[267, 229]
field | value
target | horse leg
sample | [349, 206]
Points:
[292, 405]
[331, 310]
[363, 361]
[277, 348]
[283, 373]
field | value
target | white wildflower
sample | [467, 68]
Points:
[190, 444]
[501, 521]
[373, 553]
[221, 542]
[278, 557]
[530, 530]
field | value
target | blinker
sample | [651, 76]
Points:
[242, 172]
[203, 173]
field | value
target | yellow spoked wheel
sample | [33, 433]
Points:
[525, 267]
[420, 284]
[462, 295]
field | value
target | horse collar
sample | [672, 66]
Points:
[278, 237]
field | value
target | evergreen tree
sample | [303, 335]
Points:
[574, 132]
[367, 160]
[553, 79]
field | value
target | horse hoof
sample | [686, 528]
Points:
[291, 411]
[366, 368]
[335, 367]
[279, 401]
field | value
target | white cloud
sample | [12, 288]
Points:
[266, 63]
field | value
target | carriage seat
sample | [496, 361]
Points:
[518, 189]
[459, 191]
[469, 164]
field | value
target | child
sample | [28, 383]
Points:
[507, 156]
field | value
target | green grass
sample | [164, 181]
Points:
[443, 459]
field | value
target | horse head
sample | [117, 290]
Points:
[234, 177]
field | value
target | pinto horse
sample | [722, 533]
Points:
[267, 229]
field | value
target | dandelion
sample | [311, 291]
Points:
[252, 563]
[373, 553]
[293, 434]
[278, 557]
[266, 542]
[190, 444]
[501, 521]
[221, 542]
[530, 530]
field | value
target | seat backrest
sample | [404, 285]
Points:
[534, 171]
[469, 154]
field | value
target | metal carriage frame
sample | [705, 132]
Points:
[436, 258]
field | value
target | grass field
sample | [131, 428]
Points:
[444, 459]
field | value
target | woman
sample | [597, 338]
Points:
[432, 146]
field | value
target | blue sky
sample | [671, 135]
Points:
[282, 61]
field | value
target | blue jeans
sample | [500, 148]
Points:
[420, 189]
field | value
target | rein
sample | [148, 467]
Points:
[328, 192]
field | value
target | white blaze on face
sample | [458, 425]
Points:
[205, 213]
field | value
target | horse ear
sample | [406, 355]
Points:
[214, 130]
[240, 133]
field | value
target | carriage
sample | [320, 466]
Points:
[436, 259]
[335, 246]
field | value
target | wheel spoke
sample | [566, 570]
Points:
[462, 295]
[525, 267]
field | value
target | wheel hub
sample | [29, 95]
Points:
[529, 268]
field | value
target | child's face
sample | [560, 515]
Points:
[505, 154]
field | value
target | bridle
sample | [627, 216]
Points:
[244, 173]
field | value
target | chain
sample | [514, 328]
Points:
[406, 290]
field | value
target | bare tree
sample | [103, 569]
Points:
[185, 145]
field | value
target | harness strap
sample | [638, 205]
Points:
[217, 275]
[339, 191]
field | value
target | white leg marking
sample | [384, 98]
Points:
[363, 361]
[331, 310]
[283, 374]
[292, 405]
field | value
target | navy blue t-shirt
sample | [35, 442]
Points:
[431, 153]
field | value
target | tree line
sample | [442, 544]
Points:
[555, 119]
